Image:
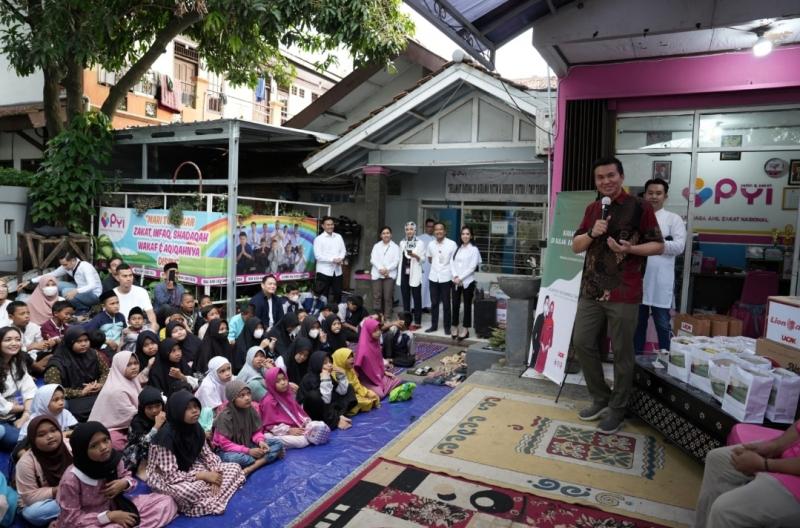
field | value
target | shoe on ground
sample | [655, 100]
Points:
[593, 412]
[611, 423]
[431, 330]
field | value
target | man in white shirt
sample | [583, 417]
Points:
[659, 276]
[439, 253]
[426, 237]
[130, 296]
[329, 252]
[87, 287]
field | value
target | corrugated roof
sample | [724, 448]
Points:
[482, 26]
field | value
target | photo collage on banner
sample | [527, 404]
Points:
[282, 245]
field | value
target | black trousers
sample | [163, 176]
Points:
[330, 287]
[467, 293]
[407, 291]
[440, 293]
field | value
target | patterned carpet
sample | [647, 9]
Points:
[390, 494]
[425, 351]
[530, 444]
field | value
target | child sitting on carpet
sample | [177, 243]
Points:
[181, 464]
[92, 491]
[109, 321]
[48, 400]
[366, 399]
[40, 469]
[369, 361]
[399, 345]
[237, 432]
[284, 418]
[118, 400]
[212, 390]
[326, 395]
[150, 417]
[136, 324]
[252, 374]
[77, 367]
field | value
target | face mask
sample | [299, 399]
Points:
[258, 333]
[313, 333]
[50, 291]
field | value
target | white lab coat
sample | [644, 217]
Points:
[415, 277]
[659, 276]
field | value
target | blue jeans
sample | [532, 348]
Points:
[41, 513]
[8, 436]
[661, 319]
[242, 459]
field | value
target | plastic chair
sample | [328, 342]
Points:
[758, 285]
[751, 308]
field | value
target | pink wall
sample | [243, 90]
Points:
[704, 81]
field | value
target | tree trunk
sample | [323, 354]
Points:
[73, 83]
[174, 28]
[52, 105]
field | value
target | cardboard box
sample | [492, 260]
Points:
[685, 324]
[786, 356]
[783, 320]
[723, 325]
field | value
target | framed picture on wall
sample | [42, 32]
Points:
[791, 198]
[794, 172]
[731, 141]
[730, 156]
[663, 170]
[654, 137]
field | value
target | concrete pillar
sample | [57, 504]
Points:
[519, 326]
[375, 185]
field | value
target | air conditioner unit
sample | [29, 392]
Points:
[544, 127]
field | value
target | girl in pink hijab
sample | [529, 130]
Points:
[284, 418]
[369, 360]
[118, 401]
[41, 301]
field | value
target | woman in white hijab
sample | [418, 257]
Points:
[409, 272]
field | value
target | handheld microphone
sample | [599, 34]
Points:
[606, 202]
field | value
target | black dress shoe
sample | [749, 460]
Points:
[431, 330]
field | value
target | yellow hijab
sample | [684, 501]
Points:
[340, 360]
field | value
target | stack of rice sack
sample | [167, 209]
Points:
[728, 369]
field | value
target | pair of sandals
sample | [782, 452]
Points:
[423, 371]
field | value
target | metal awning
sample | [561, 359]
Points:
[482, 26]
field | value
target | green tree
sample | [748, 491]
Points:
[240, 38]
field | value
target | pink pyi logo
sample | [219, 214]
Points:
[728, 188]
[104, 219]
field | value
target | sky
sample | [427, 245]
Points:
[516, 60]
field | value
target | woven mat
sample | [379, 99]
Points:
[390, 494]
[528, 443]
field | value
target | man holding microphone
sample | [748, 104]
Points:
[617, 233]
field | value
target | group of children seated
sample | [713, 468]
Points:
[192, 408]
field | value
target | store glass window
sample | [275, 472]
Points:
[654, 132]
[772, 128]
[507, 237]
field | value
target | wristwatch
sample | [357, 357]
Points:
[589, 234]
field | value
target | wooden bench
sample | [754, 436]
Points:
[41, 252]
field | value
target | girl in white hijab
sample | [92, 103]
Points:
[211, 392]
[49, 401]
